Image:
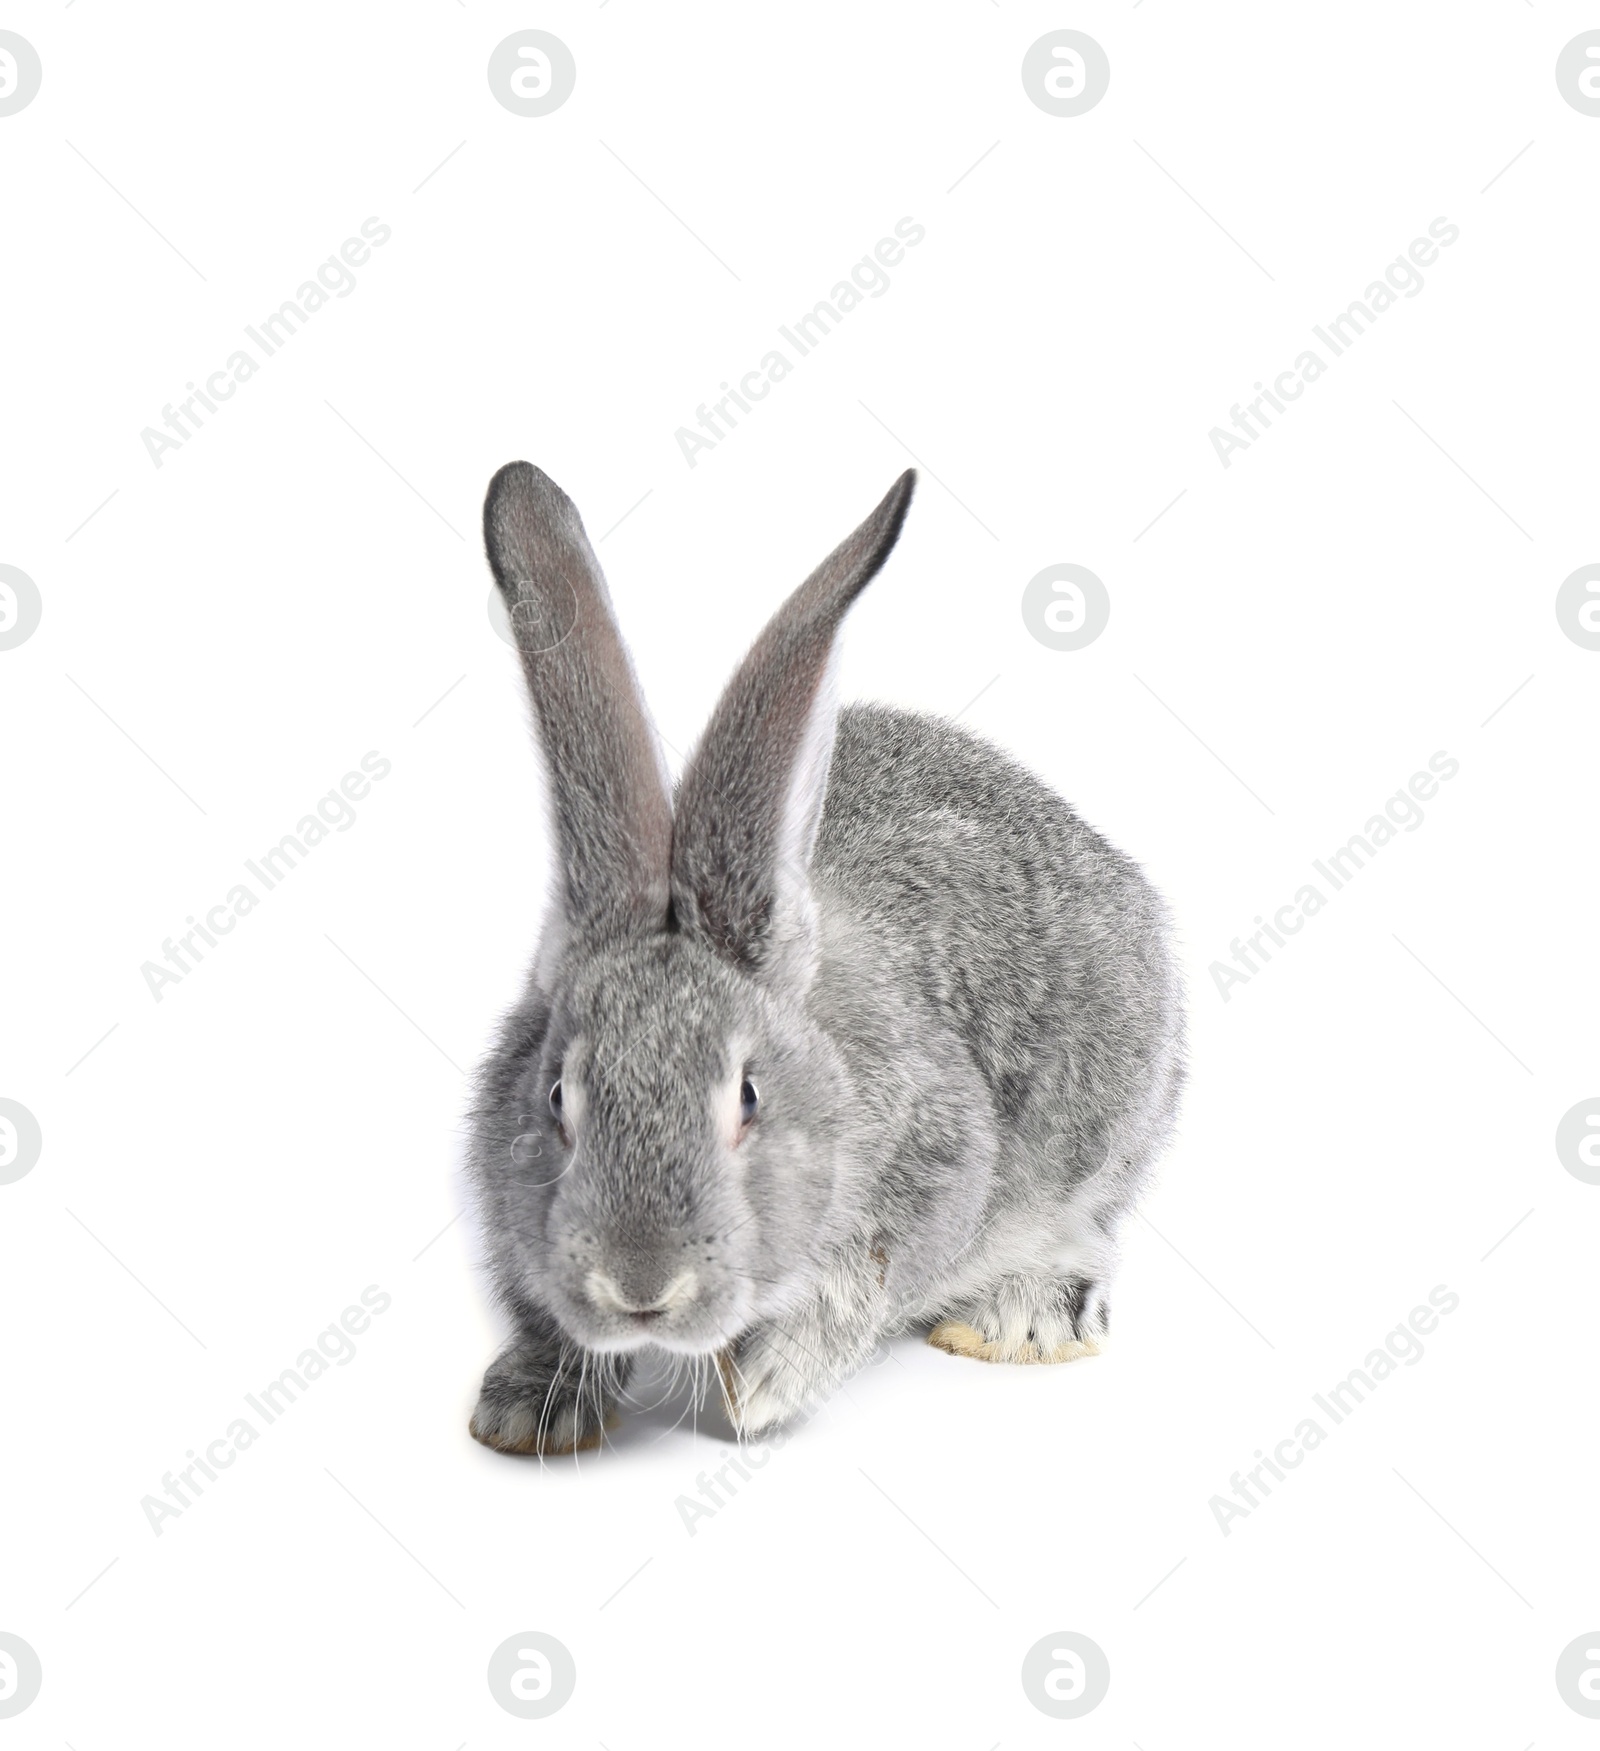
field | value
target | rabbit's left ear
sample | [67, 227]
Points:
[750, 801]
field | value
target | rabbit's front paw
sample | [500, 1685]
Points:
[537, 1403]
[766, 1379]
[1027, 1319]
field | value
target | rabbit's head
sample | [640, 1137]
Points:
[669, 1138]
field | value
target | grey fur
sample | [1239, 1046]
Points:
[957, 1001]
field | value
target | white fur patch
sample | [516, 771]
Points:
[605, 1293]
[574, 1101]
[808, 782]
[797, 831]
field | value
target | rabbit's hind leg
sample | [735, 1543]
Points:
[1027, 1319]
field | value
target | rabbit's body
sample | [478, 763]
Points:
[865, 1030]
[999, 979]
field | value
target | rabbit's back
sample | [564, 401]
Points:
[978, 892]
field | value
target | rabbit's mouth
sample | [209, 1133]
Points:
[687, 1314]
[696, 1337]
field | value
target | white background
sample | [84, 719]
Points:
[1370, 1116]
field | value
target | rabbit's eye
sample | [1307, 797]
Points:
[563, 1129]
[749, 1101]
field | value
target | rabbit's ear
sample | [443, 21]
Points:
[608, 786]
[750, 799]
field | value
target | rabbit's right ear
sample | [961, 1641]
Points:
[613, 815]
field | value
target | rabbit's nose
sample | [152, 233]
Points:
[605, 1293]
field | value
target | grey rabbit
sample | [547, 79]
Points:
[861, 1030]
